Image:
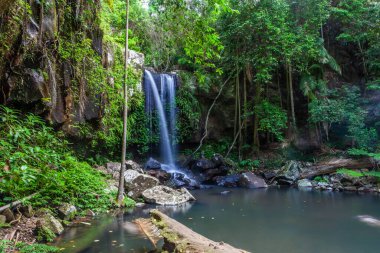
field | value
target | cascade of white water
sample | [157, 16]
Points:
[159, 101]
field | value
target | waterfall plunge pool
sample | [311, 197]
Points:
[261, 221]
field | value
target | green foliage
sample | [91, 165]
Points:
[272, 119]
[355, 173]
[249, 164]
[188, 107]
[128, 202]
[362, 152]
[343, 106]
[360, 25]
[182, 33]
[35, 159]
[44, 234]
[76, 183]
[351, 173]
[320, 179]
[220, 147]
[30, 149]
[8, 246]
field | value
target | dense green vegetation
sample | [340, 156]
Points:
[36, 159]
[7, 246]
[283, 60]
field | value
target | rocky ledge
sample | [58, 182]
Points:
[320, 176]
[151, 184]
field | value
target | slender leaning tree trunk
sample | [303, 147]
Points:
[120, 193]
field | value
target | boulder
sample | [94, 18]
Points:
[131, 165]
[268, 175]
[202, 165]
[163, 195]
[218, 160]
[250, 180]
[48, 221]
[304, 183]
[113, 167]
[228, 181]
[209, 176]
[27, 211]
[152, 164]
[162, 175]
[136, 183]
[67, 211]
[290, 173]
[9, 216]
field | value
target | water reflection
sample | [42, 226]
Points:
[273, 220]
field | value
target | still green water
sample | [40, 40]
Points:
[260, 221]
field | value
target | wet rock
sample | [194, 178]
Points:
[27, 211]
[136, 183]
[131, 165]
[161, 175]
[250, 180]
[218, 160]
[304, 183]
[202, 165]
[152, 164]
[290, 173]
[350, 188]
[163, 195]
[178, 180]
[268, 175]
[140, 204]
[228, 181]
[50, 20]
[9, 216]
[48, 221]
[211, 173]
[323, 184]
[67, 211]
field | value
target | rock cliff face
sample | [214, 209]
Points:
[43, 67]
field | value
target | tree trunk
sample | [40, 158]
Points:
[335, 164]
[120, 193]
[245, 104]
[179, 238]
[256, 140]
[291, 92]
[279, 88]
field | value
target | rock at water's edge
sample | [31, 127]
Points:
[250, 180]
[304, 183]
[152, 164]
[136, 183]
[163, 195]
[49, 221]
[67, 211]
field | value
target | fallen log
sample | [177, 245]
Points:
[335, 164]
[18, 202]
[179, 238]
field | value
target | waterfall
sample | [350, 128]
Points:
[163, 101]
